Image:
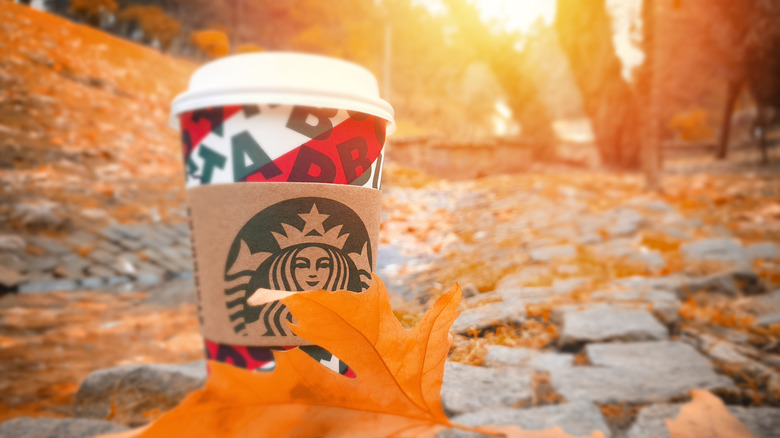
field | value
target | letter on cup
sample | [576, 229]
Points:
[243, 146]
[299, 116]
[211, 159]
[307, 161]
[354, 154]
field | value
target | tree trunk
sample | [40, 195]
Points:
[649, 89]
[725, 124]
[585, 33]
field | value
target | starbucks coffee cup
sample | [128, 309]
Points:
[283, 156]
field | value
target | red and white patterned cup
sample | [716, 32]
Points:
[279, 118]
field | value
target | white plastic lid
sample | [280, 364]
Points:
[283, 78]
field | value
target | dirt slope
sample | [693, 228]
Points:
[83, 120]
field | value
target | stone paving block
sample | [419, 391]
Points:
[547, 253]
[11, 242]
[168, 231]
[638, 372]
[564, 286]
[763, 422]
[155, 237]
[101, 256]
[764, 251]
[111, 234]
[580, 418]
[664, 304]
[28, 427]
[734, 357]
[654, 205]
[609, 323]
[644, 284]
[100, 271]
[38, 214]
[654, 261]
[499, 355]
[730, 283]
[41, 263]
[81, 238]
[176, 252]
[125, 263]
[768, 320]
[179, 256]
[133, 232]
[130, 256]
[108, 247]
[40, 277]
[626, 222]
[616, 247]
[721, 250]
[762, 304]
[154, 257]
[132, 245]
[172, 293]
[71, 266]
[182, 230]
[468, 388]
[147, 273]
[589, 238]
[127, 392]
[13, 261]
[10, 278]
[526, 294]
[489, 315]
[51, 246]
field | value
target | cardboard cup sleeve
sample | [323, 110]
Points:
[292, 237]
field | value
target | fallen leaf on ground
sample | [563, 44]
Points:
[396, 391]
[705, 416]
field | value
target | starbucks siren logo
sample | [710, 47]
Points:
[295, 245]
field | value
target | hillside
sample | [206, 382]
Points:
[83, 124]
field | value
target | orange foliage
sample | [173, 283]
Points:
[213, 43]
[660, 241]
[470, 351]
[248, 48]
[706, 415]
[154, 22]
[531, 334]
[92, 10]
[713, 314]
[692, 126]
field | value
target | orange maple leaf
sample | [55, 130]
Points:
[396, 392]
[705, 416]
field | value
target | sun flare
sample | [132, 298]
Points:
[517, 14]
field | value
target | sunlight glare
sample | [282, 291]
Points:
[519, 15]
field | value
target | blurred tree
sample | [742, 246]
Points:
[585, 34]
[348, 31]
[437, 84]
[648, 89]
[152, 21]
[213, 43]
[59, 7]
[501, 51]
[93, 11]
[751, 34]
